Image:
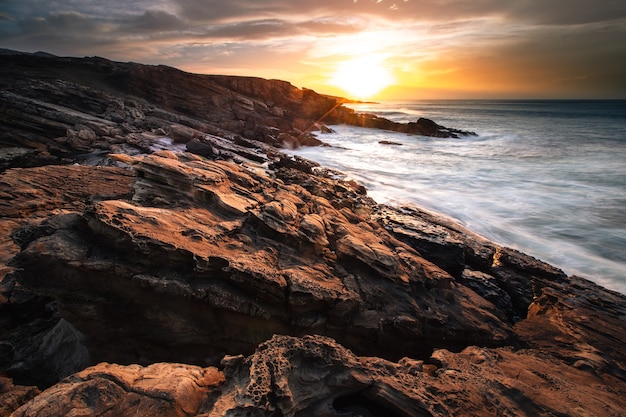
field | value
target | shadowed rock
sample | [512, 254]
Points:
[60, 110]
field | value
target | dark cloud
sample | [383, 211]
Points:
[68, 23]
[572, 43]
[217, 10]
[158, 20]
[567, 12]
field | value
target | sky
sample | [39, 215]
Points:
[382, 49]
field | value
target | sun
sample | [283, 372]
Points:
[362, 77]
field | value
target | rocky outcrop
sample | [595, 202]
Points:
[161, 389]
[63, 110]
[422, 127]
[198, 271]
[239, 243]
[314, 375]
[206, 259]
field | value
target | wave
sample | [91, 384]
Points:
[539, 185]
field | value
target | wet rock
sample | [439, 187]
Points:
[488, 288]
[423, 127]
[201, 147]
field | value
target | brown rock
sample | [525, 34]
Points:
[316, 376]
[13, 397]
[177, 258]
[162, 389]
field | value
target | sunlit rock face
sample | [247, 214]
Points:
[62, 110]
[162, 389]
[314, 375]
[198, 271]
[197, 260]
[214, 258]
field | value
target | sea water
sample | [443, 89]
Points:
[545, 177]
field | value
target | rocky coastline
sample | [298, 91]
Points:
[162, 257]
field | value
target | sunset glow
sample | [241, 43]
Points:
[377, 48]
[362, 77]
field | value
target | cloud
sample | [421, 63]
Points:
[564, 12]
[65, 23]
[158, 21]
[552, 40]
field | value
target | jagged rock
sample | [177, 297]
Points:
[578, 322]
[488, 288]
[208, 256]
[51, 114]
[245, 245]
[423, 127]
[515, 277]
[314, 375]
[162, 389]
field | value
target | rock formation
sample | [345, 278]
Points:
[221, 277]
[423, 126]
[66, 109]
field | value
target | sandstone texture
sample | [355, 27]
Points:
[162, 257]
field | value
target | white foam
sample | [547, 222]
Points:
[554, 194]
[168, 144]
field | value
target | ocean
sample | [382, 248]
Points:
[546, 177]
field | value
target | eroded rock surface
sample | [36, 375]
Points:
[316, 376]
[61, 110]
[161, 389]
[204, 259]
[198, 271]
[208, 253]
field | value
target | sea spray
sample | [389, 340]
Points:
[545, 177]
